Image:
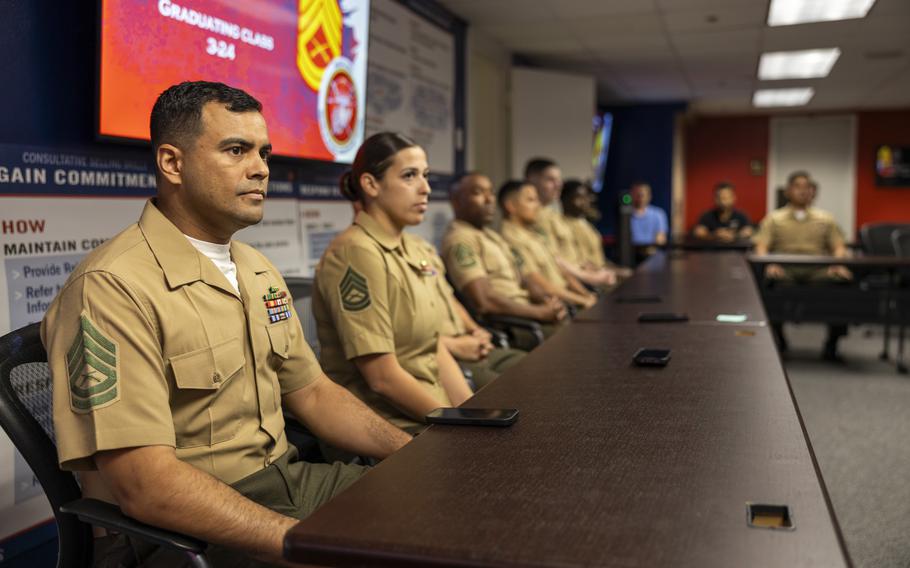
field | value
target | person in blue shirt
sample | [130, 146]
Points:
[648, 223]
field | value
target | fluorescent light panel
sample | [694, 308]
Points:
[803, 64]
[782, 97]
[790, 12]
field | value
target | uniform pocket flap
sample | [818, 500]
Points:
[280, 339]
[209, 367]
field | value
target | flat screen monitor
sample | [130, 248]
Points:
[305, 60]
[603, 128]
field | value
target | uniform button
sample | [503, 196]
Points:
[216, 377]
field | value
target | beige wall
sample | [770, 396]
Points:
[488, 143]
[552, 116]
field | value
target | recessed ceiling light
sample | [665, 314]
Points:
[782, 97]
[803, 64]
[789, 12]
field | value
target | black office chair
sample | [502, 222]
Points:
[900, 239]
[26, 415]
[875, 240]
[301, 290]
[502, 327]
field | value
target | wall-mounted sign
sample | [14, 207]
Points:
[892, 166]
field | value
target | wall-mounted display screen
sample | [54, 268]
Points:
[305, 60]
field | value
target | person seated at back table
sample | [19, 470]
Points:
[798, 228]
[519, 205]
[481, 264]
[648, 224]
[724, 222]
[544, 174]
[586, 245]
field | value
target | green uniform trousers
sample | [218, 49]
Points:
[484, 371]
[290, 487]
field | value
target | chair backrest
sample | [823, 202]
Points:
[900, 238]
[301, 290]
[26, 415]
[876, 238]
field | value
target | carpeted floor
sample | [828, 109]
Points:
[858, 418]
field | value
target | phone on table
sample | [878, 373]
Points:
[473, 416]
[659, 317]
[652, 357]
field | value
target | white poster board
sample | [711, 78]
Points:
[411, 81]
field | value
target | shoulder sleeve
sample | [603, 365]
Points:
[463, 261]
[109, 383]
[521, 252]
[353, 283]
[765, 233]
[744, 218]
[835, 235]
[663, 225]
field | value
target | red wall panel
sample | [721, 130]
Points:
[879, 203]
[721, 149]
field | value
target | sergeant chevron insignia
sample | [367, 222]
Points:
[354, 290]
[93, 365]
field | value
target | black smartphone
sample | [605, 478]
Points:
[638, 300]
[473, 416]
[652, 357]
[656, 317]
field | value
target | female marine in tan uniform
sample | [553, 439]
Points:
[377, 313]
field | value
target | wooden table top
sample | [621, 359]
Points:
[608, 465]
[813, 260]
[703, 285]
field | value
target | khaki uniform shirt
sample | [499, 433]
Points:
[816, 234]
[471, 253]
[375, 293]
[452, 324]
[556, 234]
[149, 344]
[531, 253]
[587, 242]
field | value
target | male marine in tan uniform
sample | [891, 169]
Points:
[544, 174]
[799, 228]
[520, 205]
[173, 349]
[586, 245]
[480, 262]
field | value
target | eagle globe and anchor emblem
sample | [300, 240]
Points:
[327, 71]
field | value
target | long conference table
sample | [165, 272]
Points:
[609, 464]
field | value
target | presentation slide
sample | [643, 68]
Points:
[305, 60]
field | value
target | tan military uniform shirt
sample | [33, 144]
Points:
[586, 242]
[556, 234]
[470, 253]
[531, 253]
[452, 324]
[783, 232]
[375, 294]
[149, 344]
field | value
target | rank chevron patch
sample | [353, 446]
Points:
[92, 365]
[355, 291]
